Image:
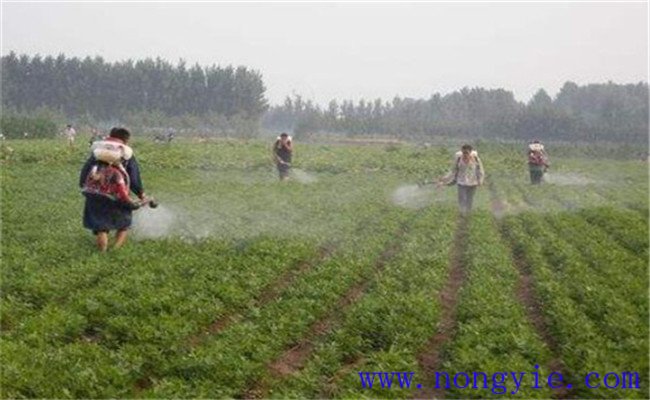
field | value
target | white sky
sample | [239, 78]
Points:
[353, 51]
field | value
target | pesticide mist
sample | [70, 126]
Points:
[412, 196]
[238, 206]
[175, 221]
[567, 179]
[153, 223]
[303, 177]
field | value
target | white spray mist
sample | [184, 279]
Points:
[569, 179]
[153, 223]
[412, 196]
[303, 177]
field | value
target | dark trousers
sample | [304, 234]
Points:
[465, 198]
[283, 170]
[536, 175]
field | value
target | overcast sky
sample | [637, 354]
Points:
[352, 51]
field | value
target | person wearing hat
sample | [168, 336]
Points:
[282, 153]
[467, 174]
[105, 179]
[537, 162]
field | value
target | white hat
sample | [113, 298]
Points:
[111, 152]
[474, 153]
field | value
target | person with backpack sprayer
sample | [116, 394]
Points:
[105, 180]
[282, 153]
[537, 162]
[467, 173]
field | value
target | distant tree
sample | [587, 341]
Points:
[108, 90]
[592, 112]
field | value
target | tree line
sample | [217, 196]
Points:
[154, 92]
[606, 112]
[108, 91]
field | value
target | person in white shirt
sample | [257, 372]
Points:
[467, 174]
[70, 134]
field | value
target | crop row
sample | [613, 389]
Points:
[137, 320]
[493, 334]
[133, 320]
[609, 263]
[226, 364]
[627, 227]
[617, 310]
[49, 257]
[388, 327]
[579, 338]
[606, 282]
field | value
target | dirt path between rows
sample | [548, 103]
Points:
[532, 306]
[528, 298]
[329, 388]
[268, 294]
[292, 360]
[430, 359]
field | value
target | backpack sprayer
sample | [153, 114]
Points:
[113, 153]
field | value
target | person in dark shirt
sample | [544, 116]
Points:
[282, 153]
[104, 212]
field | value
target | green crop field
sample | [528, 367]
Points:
[241, 286]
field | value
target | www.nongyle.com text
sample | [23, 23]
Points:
[498, 382]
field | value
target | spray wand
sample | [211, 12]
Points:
[151, 202]
[147, 201]
[429, 182]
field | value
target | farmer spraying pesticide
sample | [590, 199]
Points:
[537, 162]
[70, 134]
[105, 179]
[282, 152]
[467, 174]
